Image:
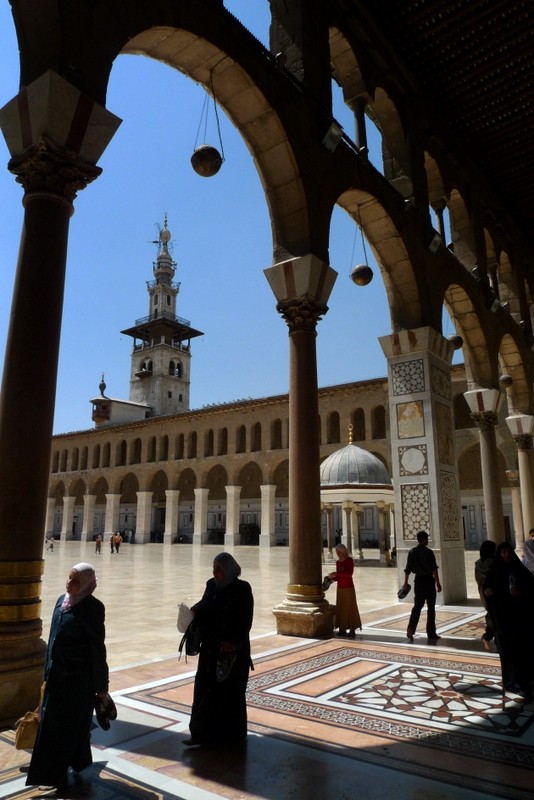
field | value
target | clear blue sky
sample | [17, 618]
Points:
[221, 241]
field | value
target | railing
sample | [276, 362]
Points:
[163, 315]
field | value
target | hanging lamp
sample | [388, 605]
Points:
[206, 159]
[361, 274]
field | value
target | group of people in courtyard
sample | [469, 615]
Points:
[76, 674]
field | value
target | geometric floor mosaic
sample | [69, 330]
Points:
[430, 719]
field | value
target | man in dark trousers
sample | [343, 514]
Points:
[422, 562]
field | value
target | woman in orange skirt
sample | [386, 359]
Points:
[347, 614]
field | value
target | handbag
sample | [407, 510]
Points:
[28, 725]
[190, 641]
[327, 583]
[185, 617]
[105, 710]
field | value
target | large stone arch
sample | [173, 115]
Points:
[187, 483]
[514, 363]
[216, 481]
[250, 480]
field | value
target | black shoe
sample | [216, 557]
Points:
[434, 638]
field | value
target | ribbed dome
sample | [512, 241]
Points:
[354, 466]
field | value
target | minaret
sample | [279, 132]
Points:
[161, 356]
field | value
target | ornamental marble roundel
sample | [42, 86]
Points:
[413, 460]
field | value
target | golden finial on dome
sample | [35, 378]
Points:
[350, 432]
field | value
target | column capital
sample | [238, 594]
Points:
[55, 135]
[485, 420]
[302, 287]
[521, 426]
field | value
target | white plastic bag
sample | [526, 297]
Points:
[185, 616]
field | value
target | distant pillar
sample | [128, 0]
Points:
[513, 483]
[144, 517]
[522, 427]
[346, 524]
[329, 509]
[68, 516]
[172, 499]
[200, 531]
[267, 532]
[233, 495]
[111, 524]
[484, 405]
[356, 532]
[50, 516]
[302, 287]
[89, 501]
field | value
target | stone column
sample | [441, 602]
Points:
[50, 516]
[231, 535]
[68, 514]
[522, 427]
[484, 405]
[171, 514]
[356, 532]
[267, 533]
[89, 501]
[517, 514]
[329, 527]
[346, 526]
[302, 287]
[200, 530]
[111, 525]
[423, 451]
[383, 552]
[55, 135]
[144, 517]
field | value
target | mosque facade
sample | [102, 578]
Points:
[160, 472]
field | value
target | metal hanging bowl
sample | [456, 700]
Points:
[206, 160]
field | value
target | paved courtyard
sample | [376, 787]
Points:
[372, 717]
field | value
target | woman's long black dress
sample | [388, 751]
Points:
[75, 669]
[513, 621]
[219, 712]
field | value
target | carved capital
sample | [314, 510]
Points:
[485, 420]
[302, 314]
[523, 442]
[47, 168]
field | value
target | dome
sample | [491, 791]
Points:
[353, 466]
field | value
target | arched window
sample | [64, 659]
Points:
[75, 458]
[276, 434]
[106, 455]
[192, 445]
[135, 456]
[120, 454]
[222, 442]
[255, 444]
[241, 440]
[151, 449]
[63, 466]
[85, 456]
[358, 425]
[178, 371]
[96, 456]
[172, 368]
[164, 448]
[378, 422]
[179, 447]
[332, 433]
[208, 443]
[149, 366]
[55, 461]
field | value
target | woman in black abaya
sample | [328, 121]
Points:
[224, 615]
[509, 589]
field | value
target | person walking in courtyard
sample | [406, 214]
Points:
[98, 543]
[76, 674]
[224, 615]
[347, 613]
[117, 541]
[422, 562]
[112, 542]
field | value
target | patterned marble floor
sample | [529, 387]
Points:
[369, 717]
